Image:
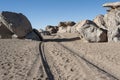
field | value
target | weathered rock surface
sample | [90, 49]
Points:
[51, 29]
[112, 21]
[15, 23]
[99, 20]
[62, 29]
[65, 24]
[112, 5]
[66, 27]
[91, 32]
[5, 32]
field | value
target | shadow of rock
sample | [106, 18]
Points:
[62, 40]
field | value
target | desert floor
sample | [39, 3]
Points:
[59, 57]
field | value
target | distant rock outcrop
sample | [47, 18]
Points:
[66, 27]
[51, 29]
[111, 6]
[112, 21]
[91, 32]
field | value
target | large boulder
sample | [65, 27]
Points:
[15, 23]
[51, 29]
[99, 20]
[91, 32]
[112, 21]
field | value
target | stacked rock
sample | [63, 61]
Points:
[112, 21]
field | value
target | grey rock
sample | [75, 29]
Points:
[62, 30]
[16, 23]
[34, 35]
[65, 24]
[5, 32]
[46, 33]
[112, 21]
[70, 23]
[51, 29]
[71, 29]
[66, 27]
[62, 24]
[112, 4]
[99, 20]
[40, 30]
[91, 32]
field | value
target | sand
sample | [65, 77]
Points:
[58, 57]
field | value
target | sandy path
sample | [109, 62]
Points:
[20, 60]
[104, 55]
[61, 57]
[71, 67]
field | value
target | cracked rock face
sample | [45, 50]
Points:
[99, 20]
[91, 32]
[112, 21]
[15, 23]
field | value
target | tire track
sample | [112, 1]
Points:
[70, 66]
[45, 63]
[88, 62]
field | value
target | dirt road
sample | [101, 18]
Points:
[60, 57]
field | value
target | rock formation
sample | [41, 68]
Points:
[111, 6]
[15, 23]
[51, 29]
[66, 27]
[112, 21]
[65, 24]
[99, 20]
[91, 32]
[34, 35]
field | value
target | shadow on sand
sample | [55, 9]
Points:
[62, 40]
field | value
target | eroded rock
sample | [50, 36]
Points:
[99, 20]
[91, 32]
[112, 21]
[66, 27]
[15, 23]
[51, 29]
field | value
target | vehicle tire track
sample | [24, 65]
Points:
[88, 62]
[70, 66]
[45, 63]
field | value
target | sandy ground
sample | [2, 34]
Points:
[20, 60]
[59, 57]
